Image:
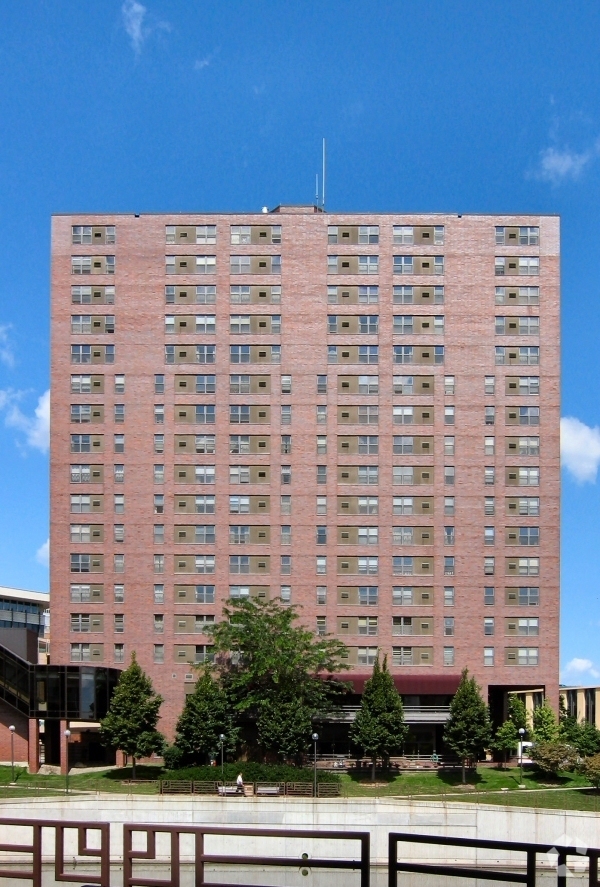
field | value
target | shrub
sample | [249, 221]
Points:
[251, 772]
[551, 757]
[590, 768]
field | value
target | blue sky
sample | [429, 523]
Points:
[159, 106]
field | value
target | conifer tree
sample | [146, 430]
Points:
[207, 714]
[468, 731]
[130, 723]
[545, 726]
[379, 727]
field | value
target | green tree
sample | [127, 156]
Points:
[591, 769]
[468, 730]
[506, 739]
[276, 672]
[553, 756]
[206, 715]
[379, 727]
[583, 736]
[517, 712]
[545, 726]
[130, 723]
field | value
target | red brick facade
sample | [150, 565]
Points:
[468, 307]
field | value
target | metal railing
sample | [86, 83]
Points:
[202, 858]
[34, 849]
[531, 851]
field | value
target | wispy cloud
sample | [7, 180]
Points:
[557, 165]
[580, 668]
[36, 428]
[42, 555]
[6, 353]
[202, 63]
[139, 25]
[580, 449]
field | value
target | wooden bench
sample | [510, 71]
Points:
[299, 789]
[269, 789]
[175, 787]
[329, 790]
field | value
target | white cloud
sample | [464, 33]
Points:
[42, 555]
[6, 354]
[558, 165]
[137, 26]
[35, 428]
[580, 449]
[580, 668]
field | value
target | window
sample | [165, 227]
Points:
[81, 474]
[403, 384]
[489, 596]
[321, 625]
[490, 415]
[489, 505]
[403, 415]
[448, 656]
[321, 474]
[402, 656]
[368, 264]
[403, 566]
[285, 565]
[321, 594]
[321, 535]
[529, 597]
[489, 535]
[321, 504]
[368, 354]
[403, 475]
[403, 535]
[81, 353]
[449, 566]
[80, 653]
[368, 565]
[119, 503]
[80, 504]
[321, 444]
[368, 505]
[119, 474]
[449, 596]
[366, 655]
[286, 443]
[489, 566]
[159, 443]
[368, 324]
[402, 595]
[529, 477]
[119, 653]
[488, 626]
[159, 563]
[159, 623]
[449, 416]
[368, 384]
[528, 626]
[403, 505]
[321, 414]
[204, 474]
[159, 594]
[119, 413]
[286, 414]
[368, 445]
[239, 415]
[449, 536]
[528, 656]
[159, 653]
[81, 413]
[368, 625]
[403, 325]
[522, 355]
[204, 563]
[368, 474]
[368, 535]
[529, 566]
[119, 532]
[368, 415]
[529, 535]
[489, 446]
[489, 475]
[285, 593]
[449, 506]
[119, 443]
[403, 265]
[159, 474]
[449, 444]
[449, 475]
[403, 234]
[286, 474]
[286, 534]
[285, 505]
[403, 353]
[239, 535]
[529, 415]
[488, 655]
[321, 565]
[368, 595]
[448, 626]
[119, 623]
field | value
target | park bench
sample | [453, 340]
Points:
[230, 789]
[329, 790]
[175, 787]
[269, 789]
[299, 789]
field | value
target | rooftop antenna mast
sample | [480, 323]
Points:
[317, 189]
[323, 194]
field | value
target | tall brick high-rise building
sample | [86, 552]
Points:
[355, 413]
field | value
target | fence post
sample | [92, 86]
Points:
[531, 859]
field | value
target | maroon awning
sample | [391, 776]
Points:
[410, 684]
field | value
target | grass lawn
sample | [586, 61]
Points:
[484, 786]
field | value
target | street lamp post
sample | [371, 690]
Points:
[222, 741]
[521, 735]
[315, 739]
[67, 737]
[12, 754]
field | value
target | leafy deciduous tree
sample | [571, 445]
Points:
[591, 769]
[379, 727]
[468, 730]
[545, 726]
[506, 739]
[275, 671]
[130, 723]
[551, 757]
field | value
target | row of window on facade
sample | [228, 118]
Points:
[336, 264]
[522, 235]
[402, 565]
[362, 595]
[246, 534]
[360, 295]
